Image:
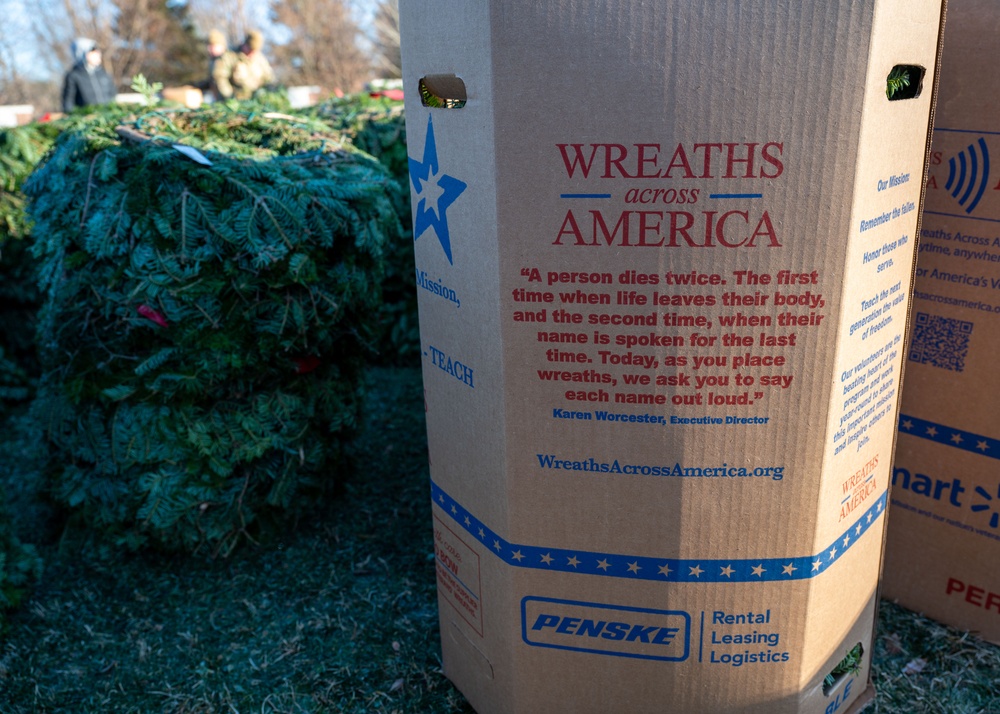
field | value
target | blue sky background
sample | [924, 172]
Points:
[17, 37]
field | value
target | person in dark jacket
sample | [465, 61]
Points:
[86, 83]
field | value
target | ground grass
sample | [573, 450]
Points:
[337, 616]
[923, 667]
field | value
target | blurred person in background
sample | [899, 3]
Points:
[218, 86]
[246, 71]
[86, 83]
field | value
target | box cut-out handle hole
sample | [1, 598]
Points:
[442, 91]
[905, 81]
[849, 666]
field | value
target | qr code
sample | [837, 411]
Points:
[940, 341]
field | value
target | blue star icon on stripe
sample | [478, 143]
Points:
[435, 192]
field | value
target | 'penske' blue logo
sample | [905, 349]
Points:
[613, 630]
[434, 192]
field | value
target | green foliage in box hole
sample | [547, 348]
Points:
[204, 327]
[897, 81]
[850, 665]
[377, 126]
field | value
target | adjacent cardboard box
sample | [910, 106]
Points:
[304, 95]
[664, 253]
[190, 97]
[943, 547]
[16, 114]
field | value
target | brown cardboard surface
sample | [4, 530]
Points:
[189, 96]
[944, 541]
[663, 284]
[862, 702]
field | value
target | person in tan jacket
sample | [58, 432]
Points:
[240, 74]
[216, 47]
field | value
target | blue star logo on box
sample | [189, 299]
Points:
[435, 193]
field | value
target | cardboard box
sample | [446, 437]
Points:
[16, 114]
[190, 97]
[664, 253]
[943, 546]
[301, 96]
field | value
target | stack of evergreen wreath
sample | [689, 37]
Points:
[19, 567]
[377, 125]
[211, 283]
[21, 149]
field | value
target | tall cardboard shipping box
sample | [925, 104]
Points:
[664, 252]
[943, 547]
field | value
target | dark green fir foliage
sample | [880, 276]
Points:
[21, 149]
[377, 125]
[20, 566]
[206, 318]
